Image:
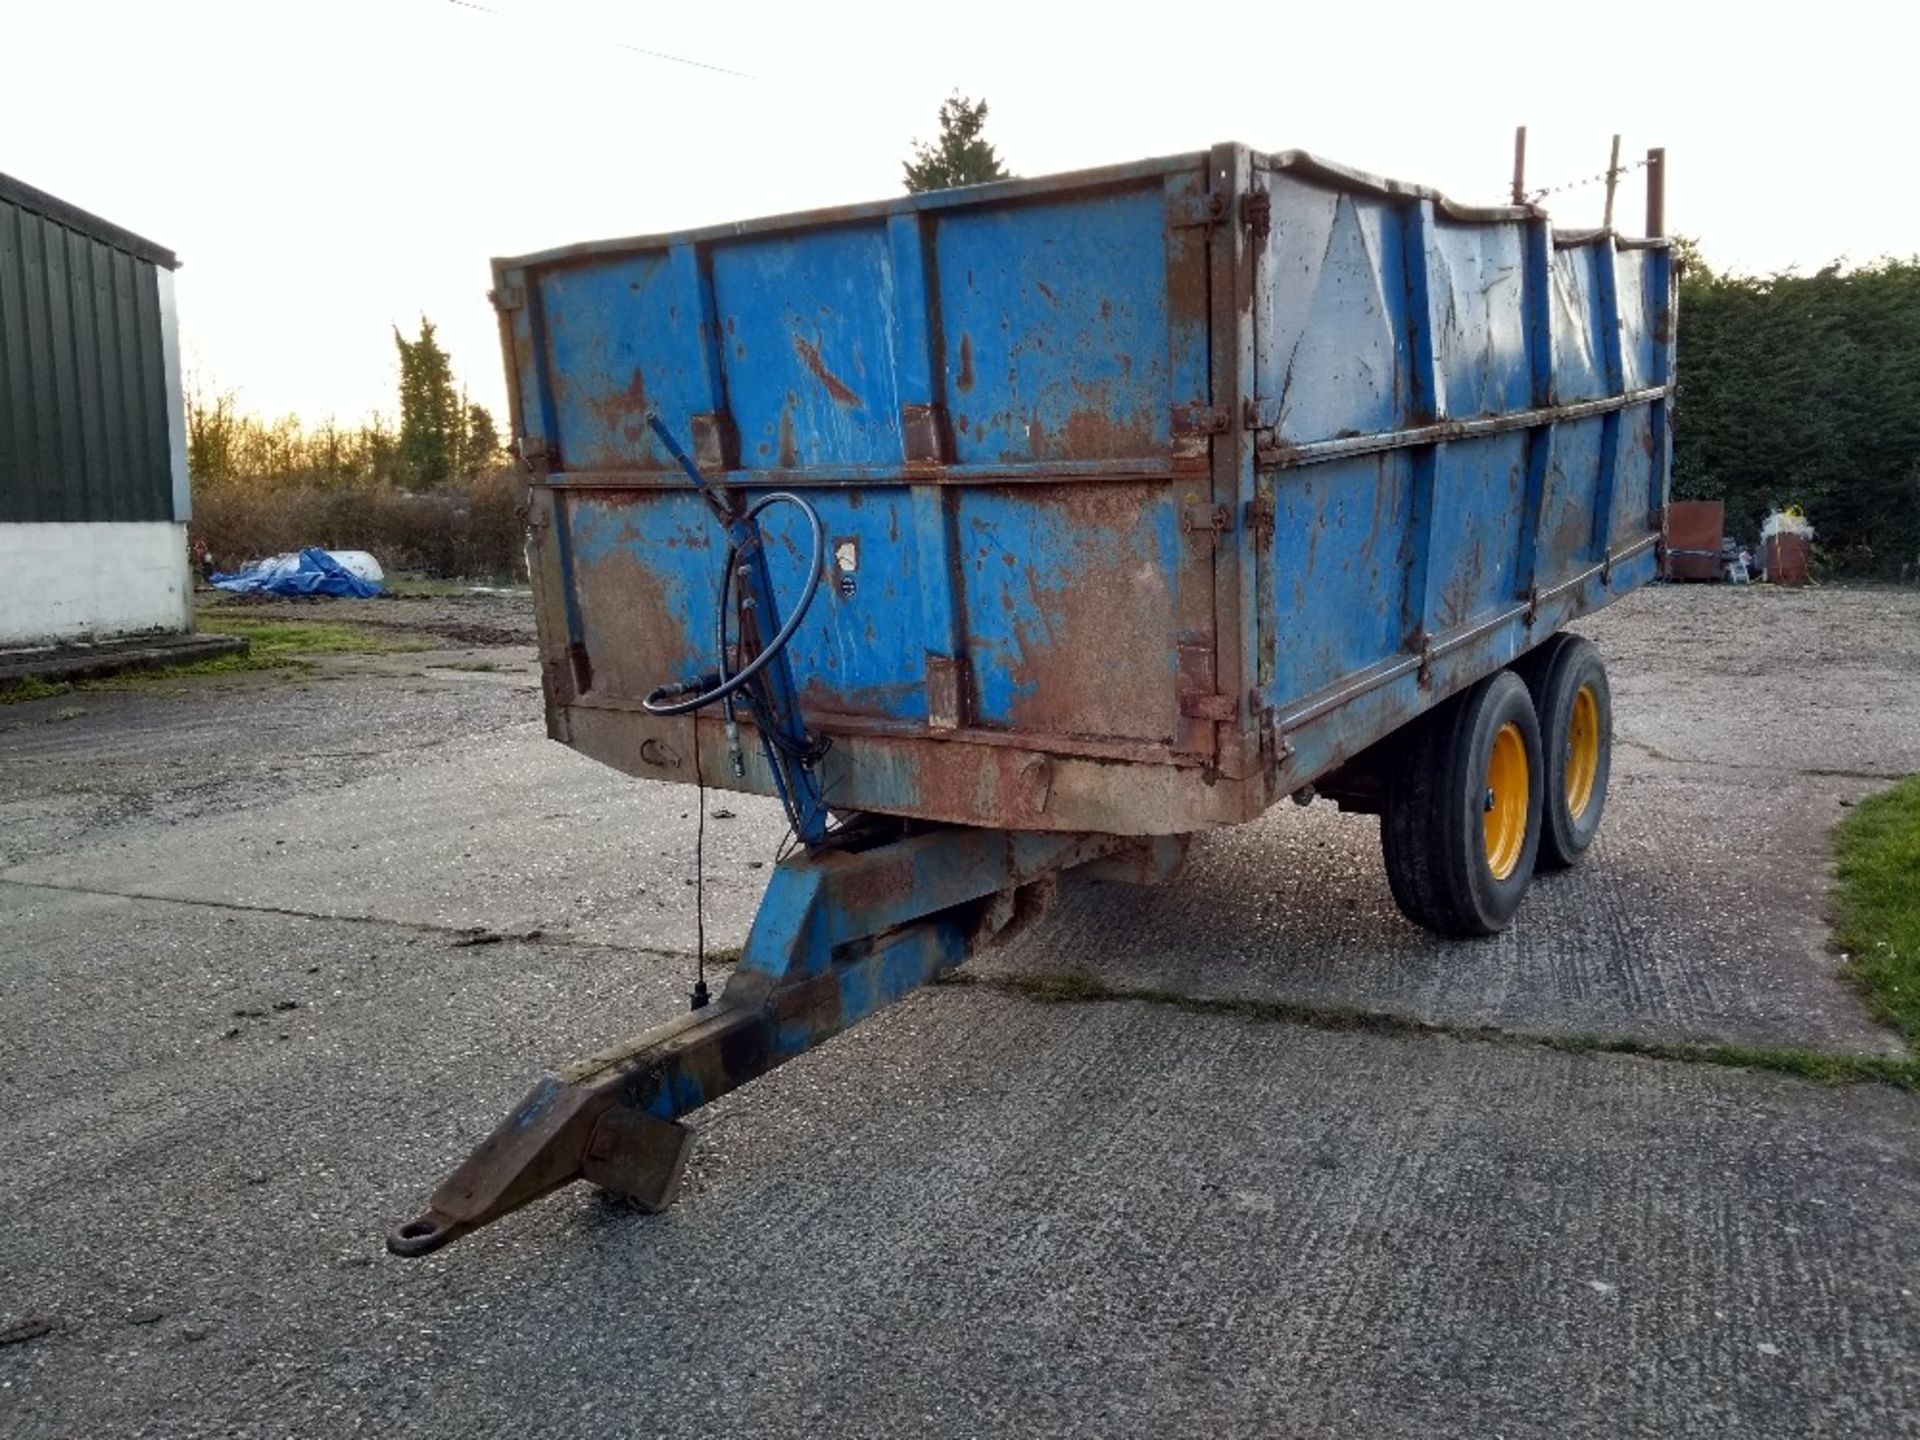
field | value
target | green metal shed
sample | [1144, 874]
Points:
[93, 470]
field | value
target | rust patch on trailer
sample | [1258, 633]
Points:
[1007, 786]
[1092, 434]
[963, 382]
[946, 692]
[820, 697]
[789, 450]
[877, 882]
[1379, 509]
[1186, 281]
[924, 437]
[1572, 529]
[1095, 635]
[617, 407]
[836, 387]
[1456, 596]
[630, 619]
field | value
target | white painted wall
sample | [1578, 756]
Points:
[92, 579]
[176, 396]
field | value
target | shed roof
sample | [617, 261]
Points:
[18, 192]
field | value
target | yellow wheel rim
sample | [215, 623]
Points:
[1583, 751]
[1506, 801]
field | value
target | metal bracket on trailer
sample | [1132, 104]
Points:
[842, 931]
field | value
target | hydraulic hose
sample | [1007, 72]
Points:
[706, 690]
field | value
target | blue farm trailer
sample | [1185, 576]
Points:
[1038, 525]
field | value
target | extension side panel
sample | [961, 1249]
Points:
[1461, 436]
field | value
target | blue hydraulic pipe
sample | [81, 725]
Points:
[760, 615]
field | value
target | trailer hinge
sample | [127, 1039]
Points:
[1201, 420]
[1533, 606]
[1209, 521]
[1425, 677]
[1256, 213]
[508, 298]
[1260, 517]
[1185, 210]
[1273, 740]
[1222, 709]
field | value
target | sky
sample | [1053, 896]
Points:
[327, 171]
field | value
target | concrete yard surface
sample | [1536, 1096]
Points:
[248, 1027]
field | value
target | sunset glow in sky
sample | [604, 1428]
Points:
[327, 171]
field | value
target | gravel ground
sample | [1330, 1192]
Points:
[245, 1033]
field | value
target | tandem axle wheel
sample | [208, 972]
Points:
[1506, 778]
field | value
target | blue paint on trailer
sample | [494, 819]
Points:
[1145, 475]
[1151, 495]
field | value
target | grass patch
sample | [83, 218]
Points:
[32, 687]
[16, 692]
[214, 665]
[1079, 987]
[472, 666]
[278, 639]
[271, 645]
[1877, 910]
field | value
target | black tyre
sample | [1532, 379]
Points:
[1568, 682]
[1460, 827]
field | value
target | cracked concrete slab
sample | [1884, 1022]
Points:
[509, 831]
[976, 1214]
[1700, 913]
[1670, 929]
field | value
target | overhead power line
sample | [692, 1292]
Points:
[618, 44]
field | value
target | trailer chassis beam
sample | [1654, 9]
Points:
[842, 931]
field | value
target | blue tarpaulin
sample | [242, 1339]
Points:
[311, 572]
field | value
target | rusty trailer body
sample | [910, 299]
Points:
[1153, 493]
[1035, 526]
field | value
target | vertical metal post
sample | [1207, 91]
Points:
[1519, 164]
[1536, 298]
[1228, 634]
[1613, 182]
[927, 447]
[1425, 405]
[1657, 191]
[1606, 324]
[1663, 269]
